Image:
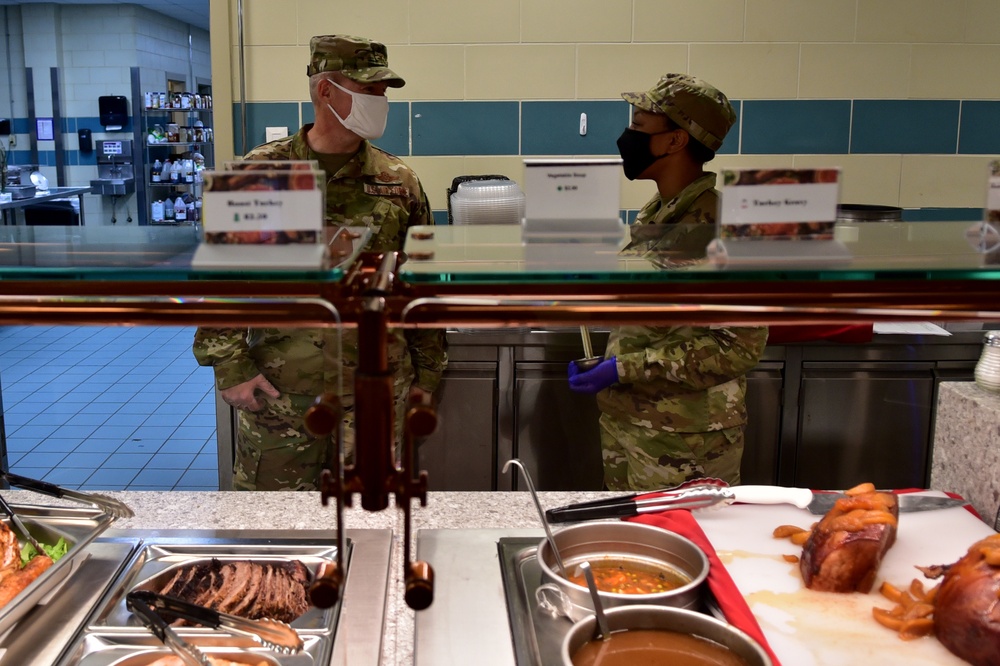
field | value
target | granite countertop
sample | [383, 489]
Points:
[304, 511]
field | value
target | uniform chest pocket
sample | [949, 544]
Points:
[386, 221]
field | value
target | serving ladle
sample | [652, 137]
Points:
[589, 361]
[602, 619]
[541, 513]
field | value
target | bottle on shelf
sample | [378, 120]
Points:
[188, 170]
[158, 211]
[180, 209]
[165, 172]
[168, 210]
[156, 171]
[177, 172]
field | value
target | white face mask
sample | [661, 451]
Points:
[368, 115]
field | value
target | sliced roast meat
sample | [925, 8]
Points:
[246, 588]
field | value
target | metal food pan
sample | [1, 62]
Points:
[78, 525]
[156, 560]
[130, 649]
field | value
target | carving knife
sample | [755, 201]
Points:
[820, 502]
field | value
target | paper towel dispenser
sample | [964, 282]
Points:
[113, 111]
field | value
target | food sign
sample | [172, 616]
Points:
[792, 204]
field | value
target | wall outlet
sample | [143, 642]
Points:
[273, 133]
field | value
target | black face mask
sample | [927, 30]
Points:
[633, 146]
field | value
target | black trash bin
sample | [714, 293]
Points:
[51, 213]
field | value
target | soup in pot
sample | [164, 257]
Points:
[655, 647]
[624, 576]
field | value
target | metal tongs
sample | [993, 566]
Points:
[14, 518]
[108, 505]
[696, 494]
[272, 634]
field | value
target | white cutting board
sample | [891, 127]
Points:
[807, 628]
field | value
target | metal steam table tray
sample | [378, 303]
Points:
[111, 635]
[77, 525]
[537, 635]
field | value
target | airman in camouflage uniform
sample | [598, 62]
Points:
[273, 375]
[672, 398]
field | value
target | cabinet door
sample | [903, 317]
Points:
[556, 434]
[760, 453]
[864, 422]
[459, 455]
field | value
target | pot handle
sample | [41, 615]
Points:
[553, 601]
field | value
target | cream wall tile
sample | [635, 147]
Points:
[957, 181]
[386, 22]
[605, 70]
[520, 72]
[865, 179]
[635, 193]
[797, 21]
[871, 71]
[576, 21]
[269, 23]
[750, 162]
[275, 73]
[951, 71]
[431, 72]
[748, 71]
[688, 20]
[910, 21]
[463, 22]
[436, 174]
[982, 21]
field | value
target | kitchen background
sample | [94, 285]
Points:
[903, 94]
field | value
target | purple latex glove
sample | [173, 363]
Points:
[603, 375]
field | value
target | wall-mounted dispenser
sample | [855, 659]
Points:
[86, 140]
[114, 111]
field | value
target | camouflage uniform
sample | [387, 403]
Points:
[373, 189]
[678, 409]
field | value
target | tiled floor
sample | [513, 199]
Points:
[112, 408]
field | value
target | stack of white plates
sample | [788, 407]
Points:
[487, 202]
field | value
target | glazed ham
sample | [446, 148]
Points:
[845, 548]
[246, 588]
[967, 605]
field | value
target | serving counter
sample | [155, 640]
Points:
[468, 621]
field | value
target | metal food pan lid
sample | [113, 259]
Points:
[77, 525]
[155, 562]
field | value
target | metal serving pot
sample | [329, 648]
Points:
[669, 619]
[620, 540]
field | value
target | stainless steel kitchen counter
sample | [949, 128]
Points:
[303, 511]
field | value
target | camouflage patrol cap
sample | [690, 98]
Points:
[693, 104]
[357, 58]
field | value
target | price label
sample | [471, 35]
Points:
[779, 203]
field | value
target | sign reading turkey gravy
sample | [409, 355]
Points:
[779, 203]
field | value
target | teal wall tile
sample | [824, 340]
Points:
[396, 139]
[905, 126]
[777, 127]
[943, 214]
[259, 116]
[979, 132]
[440, 216]
[553, 128]
[465, 128]
[731, 144]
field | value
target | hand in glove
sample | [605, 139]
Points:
[603, 375]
